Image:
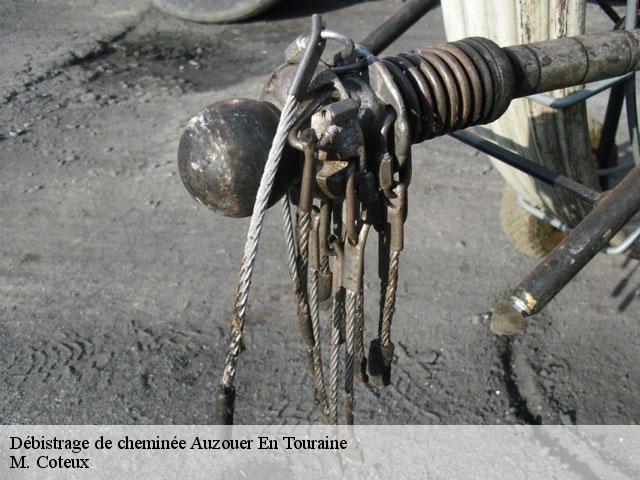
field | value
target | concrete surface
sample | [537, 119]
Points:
[115, 286]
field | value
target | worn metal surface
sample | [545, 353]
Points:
[397, 24]
[115, 272]
[571, 255]
[386, 90]
[222, 154]
[556, 140]
[473, 81]
[619, 249]
[553, 64]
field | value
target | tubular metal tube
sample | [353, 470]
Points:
[571, 255]
[609, 129]
[553, 64]
[397, 24]
[608, 9]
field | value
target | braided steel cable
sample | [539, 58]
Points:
[306, 299]
[381, 302]
[359, 340]
[318, 372]
[304, 229]
[299, 291]
[287, 120]
[288, 116]
[351, 306]
[390, 298]
[383, 274]
[334, 362]
[324, 264]
[290, 238]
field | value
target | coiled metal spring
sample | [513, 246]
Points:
[452, 85]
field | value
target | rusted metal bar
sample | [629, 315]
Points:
[608, 9]
[609, 129]
[554, 64]
[397, 24]
[558, 268]
[578, 96]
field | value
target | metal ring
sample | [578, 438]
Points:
[445, 77]
[462, 85]
[472, 75]
[435, 93]
[410, 99]
[423, 93]
[485, 74]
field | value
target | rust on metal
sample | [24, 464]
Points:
[222, 154]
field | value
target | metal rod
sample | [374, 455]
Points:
[579, 96]
[625, 245]
[609, 129]
[527, 166]
[632, 115]
[608, 9]
[552, 64]
[397, 24]
[544, 216]
[631, 15]
[558, 268]
[555, 222]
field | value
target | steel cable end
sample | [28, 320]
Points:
[506, 319]
[224, 407]
[379, 362]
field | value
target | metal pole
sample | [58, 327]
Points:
[570, 256]
[609, 129]
[397, 24]
[608, 9]
[632, 13]
[552, 64]
[630, 85]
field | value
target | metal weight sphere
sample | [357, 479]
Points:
[223, 152]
